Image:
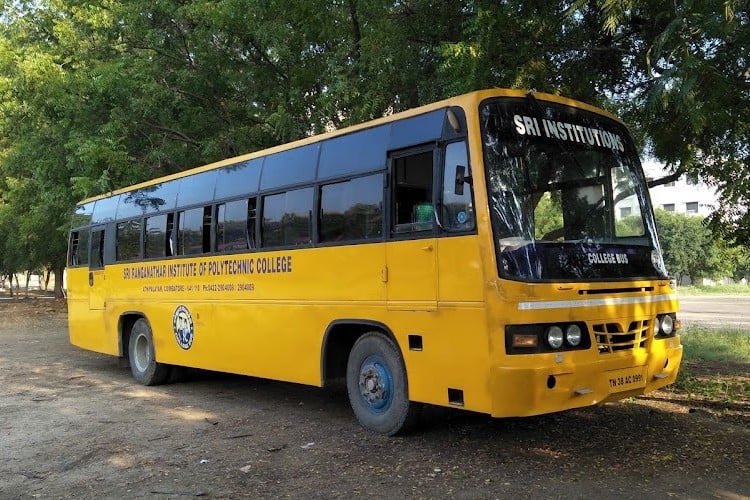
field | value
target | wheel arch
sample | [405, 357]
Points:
[339, 338]
[124, 326]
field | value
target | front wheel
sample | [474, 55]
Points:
[377, 386]
[143, 363]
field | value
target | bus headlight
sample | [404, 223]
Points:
[573, 335]
[554, 336]
[666, 324]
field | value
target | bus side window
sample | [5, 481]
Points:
[231, 225]
[128, 237]
[96, 260]
[79, 248]
[155, 235]
[412, 193]
[190, 238]
[457, 209]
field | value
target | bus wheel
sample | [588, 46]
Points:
[377, 386]
[143, 363]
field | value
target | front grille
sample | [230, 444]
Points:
[611, 337]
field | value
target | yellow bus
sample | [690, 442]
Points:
[494, 252]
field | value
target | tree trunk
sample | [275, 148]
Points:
[59, 270]
[28, 277]
[46, 279]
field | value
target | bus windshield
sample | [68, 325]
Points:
[567, 196]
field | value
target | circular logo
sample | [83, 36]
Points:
[183, 327]
[461, 217]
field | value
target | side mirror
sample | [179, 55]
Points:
[461, 179]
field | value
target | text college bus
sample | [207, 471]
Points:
[494, 252]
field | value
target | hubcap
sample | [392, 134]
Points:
[141, 353]
[375, 384]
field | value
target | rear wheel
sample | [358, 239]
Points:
[377, 386]
[143, 363]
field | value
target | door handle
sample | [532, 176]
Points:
[91, 278]
[428, 248]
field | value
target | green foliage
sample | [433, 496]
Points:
[690, 248]
[99, 94]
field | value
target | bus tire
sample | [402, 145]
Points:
[377, 385]
[143, 364]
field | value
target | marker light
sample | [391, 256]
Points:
[525, 341]
[554, 336]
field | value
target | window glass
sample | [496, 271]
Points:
[97, 249]
[197, 188]
[156, 230]
[412, 193]
[691, 207]
[352, 210]
[232, 226]
[287, 218]
[79, 248]
[105, 210]
[148, 200]
[669, 207]
[190, 232]
[128, 240]
[82, 215]
[353, 153]
[457, 209]
[290, 167]
[417, 130]
[238, 179]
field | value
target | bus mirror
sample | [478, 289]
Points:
[461, 179]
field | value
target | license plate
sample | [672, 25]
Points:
[627, 379]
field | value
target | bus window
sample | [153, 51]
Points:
[352, 210]
[97, 249]
[232, 226]
[190, 232]
[412, 193]
[287, 218]
[457, 209]
[79, 248]
[156, 230]
[128, 240]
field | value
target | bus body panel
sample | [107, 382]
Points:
[441, 296]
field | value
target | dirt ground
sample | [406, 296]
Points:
[75, 425]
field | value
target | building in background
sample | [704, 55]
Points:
[683, 196]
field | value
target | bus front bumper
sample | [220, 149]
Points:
[526, 391]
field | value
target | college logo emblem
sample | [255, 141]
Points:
[183, 327]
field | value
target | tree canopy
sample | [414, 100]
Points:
[98, 94]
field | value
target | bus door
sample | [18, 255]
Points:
[96, 269]
[411, 252]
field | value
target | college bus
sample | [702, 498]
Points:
[494, 252]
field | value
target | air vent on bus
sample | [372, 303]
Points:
[611, 337]
[600, 291]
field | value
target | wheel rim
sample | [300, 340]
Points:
[141, 353]
[375, 384]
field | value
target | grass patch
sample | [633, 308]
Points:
[716, 365]
[703, 344]
[735, 289]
